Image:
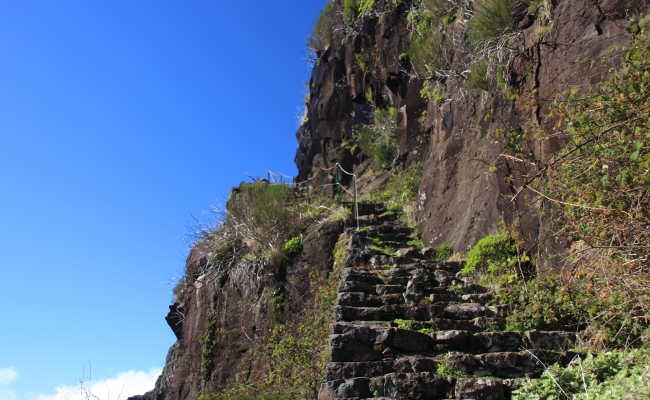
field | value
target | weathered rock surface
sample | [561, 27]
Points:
[458, 140]
[460, 201]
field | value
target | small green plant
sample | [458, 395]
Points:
[365, 6]
[509, 91]
[385, 250]
[433, 92]
[378, 139]
[442, 252]
[493, 254]
[477, 77]
[350, 10]
[293, 246]
[491, 19]
[401, 192]
[416, 243]
[265, 214]
[547, 303]
[360, 59]
[424, 52]
[444, 370]
[406, 324]
[209, 345]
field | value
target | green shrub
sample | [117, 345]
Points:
[493, 254]
[477, 78]
[350, 10]
[608, 376]
[547, 303]
[263, 213]
[365, 6]
[433, 92]
[491, 19]
[600, 181]
[425, 51]
[378, 139]
[293, 246]
[401, 192]
[443, 252]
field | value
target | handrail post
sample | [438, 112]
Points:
[354, 191]
[356, 201]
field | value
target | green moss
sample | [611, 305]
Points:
[493, 254]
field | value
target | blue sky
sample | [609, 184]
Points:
[119, 121]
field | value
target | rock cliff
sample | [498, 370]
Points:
[465, 115]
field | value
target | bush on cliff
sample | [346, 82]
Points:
[491, 19]
[600, 182]
[378, 140]
[607, 376]
[263, 214]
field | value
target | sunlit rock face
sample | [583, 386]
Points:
[466, 191]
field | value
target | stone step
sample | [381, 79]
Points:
[419, 386]
[362, 299]
[343, 327]
[473, 325]
[416, 386]
[438, 324]
[501, 365]
[394, 295]
[388, 270]
[424, 312]
[502, 341]
[530, 363]
[390, 289]
[375, 344]
[366, 343]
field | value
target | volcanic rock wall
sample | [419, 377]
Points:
[459, 139]
[467, 184]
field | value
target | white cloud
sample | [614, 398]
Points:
[8, 375]
[119, 387]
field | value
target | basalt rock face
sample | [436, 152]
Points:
[219, 314]
[467, 184]
[466, 191]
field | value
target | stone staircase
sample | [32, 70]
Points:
[408, 328]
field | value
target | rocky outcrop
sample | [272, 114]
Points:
[454, 346]
[467, 186]
[408, 328]
[221, 314]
